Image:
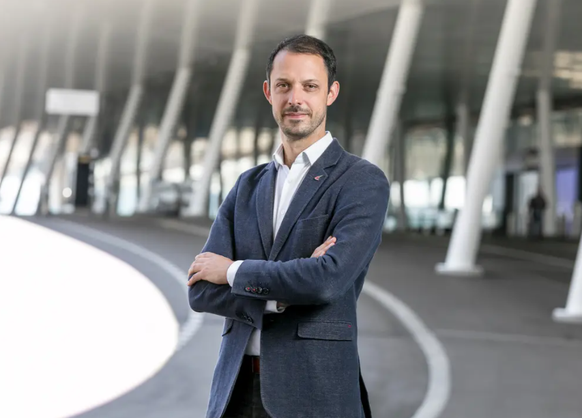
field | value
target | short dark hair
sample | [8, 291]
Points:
[305, 44]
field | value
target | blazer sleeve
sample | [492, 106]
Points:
[357, 223]
[218, 299]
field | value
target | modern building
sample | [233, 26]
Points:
[182, 111]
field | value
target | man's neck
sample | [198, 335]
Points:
[292, 148]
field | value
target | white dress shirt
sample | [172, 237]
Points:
[288, 181]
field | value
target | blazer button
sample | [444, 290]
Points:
[247, 289]
[265, 291]
[260, 290]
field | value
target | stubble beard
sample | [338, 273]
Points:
[298, 130]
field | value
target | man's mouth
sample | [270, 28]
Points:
[294, 115]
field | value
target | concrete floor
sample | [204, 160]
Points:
[508, 359]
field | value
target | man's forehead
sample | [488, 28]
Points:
[286, 58]
[290, 65]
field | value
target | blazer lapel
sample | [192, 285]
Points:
[264, 206]
[313, 180]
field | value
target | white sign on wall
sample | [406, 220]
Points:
[72, 102]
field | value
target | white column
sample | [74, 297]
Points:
[572, 313]
[60, 138]
[393, 82]
[226, 105]
[317, 18]
[176, 99]
[131, 105]
[547, 165]
[496, 107]
[119, 142]
[21, 62]
[42, 77]
[101, 67]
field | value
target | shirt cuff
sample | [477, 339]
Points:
[271, 307]
[231, 272]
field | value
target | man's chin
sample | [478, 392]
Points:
[295, 134]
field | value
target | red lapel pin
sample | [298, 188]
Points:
[317, 178]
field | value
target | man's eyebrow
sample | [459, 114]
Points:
[311, 80]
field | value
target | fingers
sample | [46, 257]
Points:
[330, 240]
[326, 247]
[193, 279]
[195, 276]
[322, 249]
[199, 261]
[319, 251]
[193, 268]
[194, 272]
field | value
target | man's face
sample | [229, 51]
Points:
[299, 94]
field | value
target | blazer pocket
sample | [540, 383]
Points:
[332, 330]
[227, 326]
[311, 223]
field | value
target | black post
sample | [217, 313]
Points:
[258, 124]
[448, 161]
[140, 138]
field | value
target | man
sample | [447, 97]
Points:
[289, 347]
[536, 206]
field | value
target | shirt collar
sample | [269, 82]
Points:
[309, 156]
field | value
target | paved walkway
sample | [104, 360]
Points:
[393, 364]
[508, 358]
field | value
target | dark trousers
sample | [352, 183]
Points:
[245, 401]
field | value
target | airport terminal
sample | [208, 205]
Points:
[125, 124]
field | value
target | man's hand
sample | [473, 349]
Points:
[322, 249]
[210, 267]
[319, 251]
[213, 267]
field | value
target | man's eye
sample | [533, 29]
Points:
[282, 85]
[311, 86]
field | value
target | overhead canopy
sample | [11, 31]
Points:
[454, 52]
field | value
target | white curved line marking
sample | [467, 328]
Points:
[194, 321]
[439, 369]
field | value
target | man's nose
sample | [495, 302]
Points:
[295, 97]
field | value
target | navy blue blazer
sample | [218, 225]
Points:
[309, 353]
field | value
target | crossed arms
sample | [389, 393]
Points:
[356, 224]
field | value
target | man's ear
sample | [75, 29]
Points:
[333, 93]
[267, 91]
